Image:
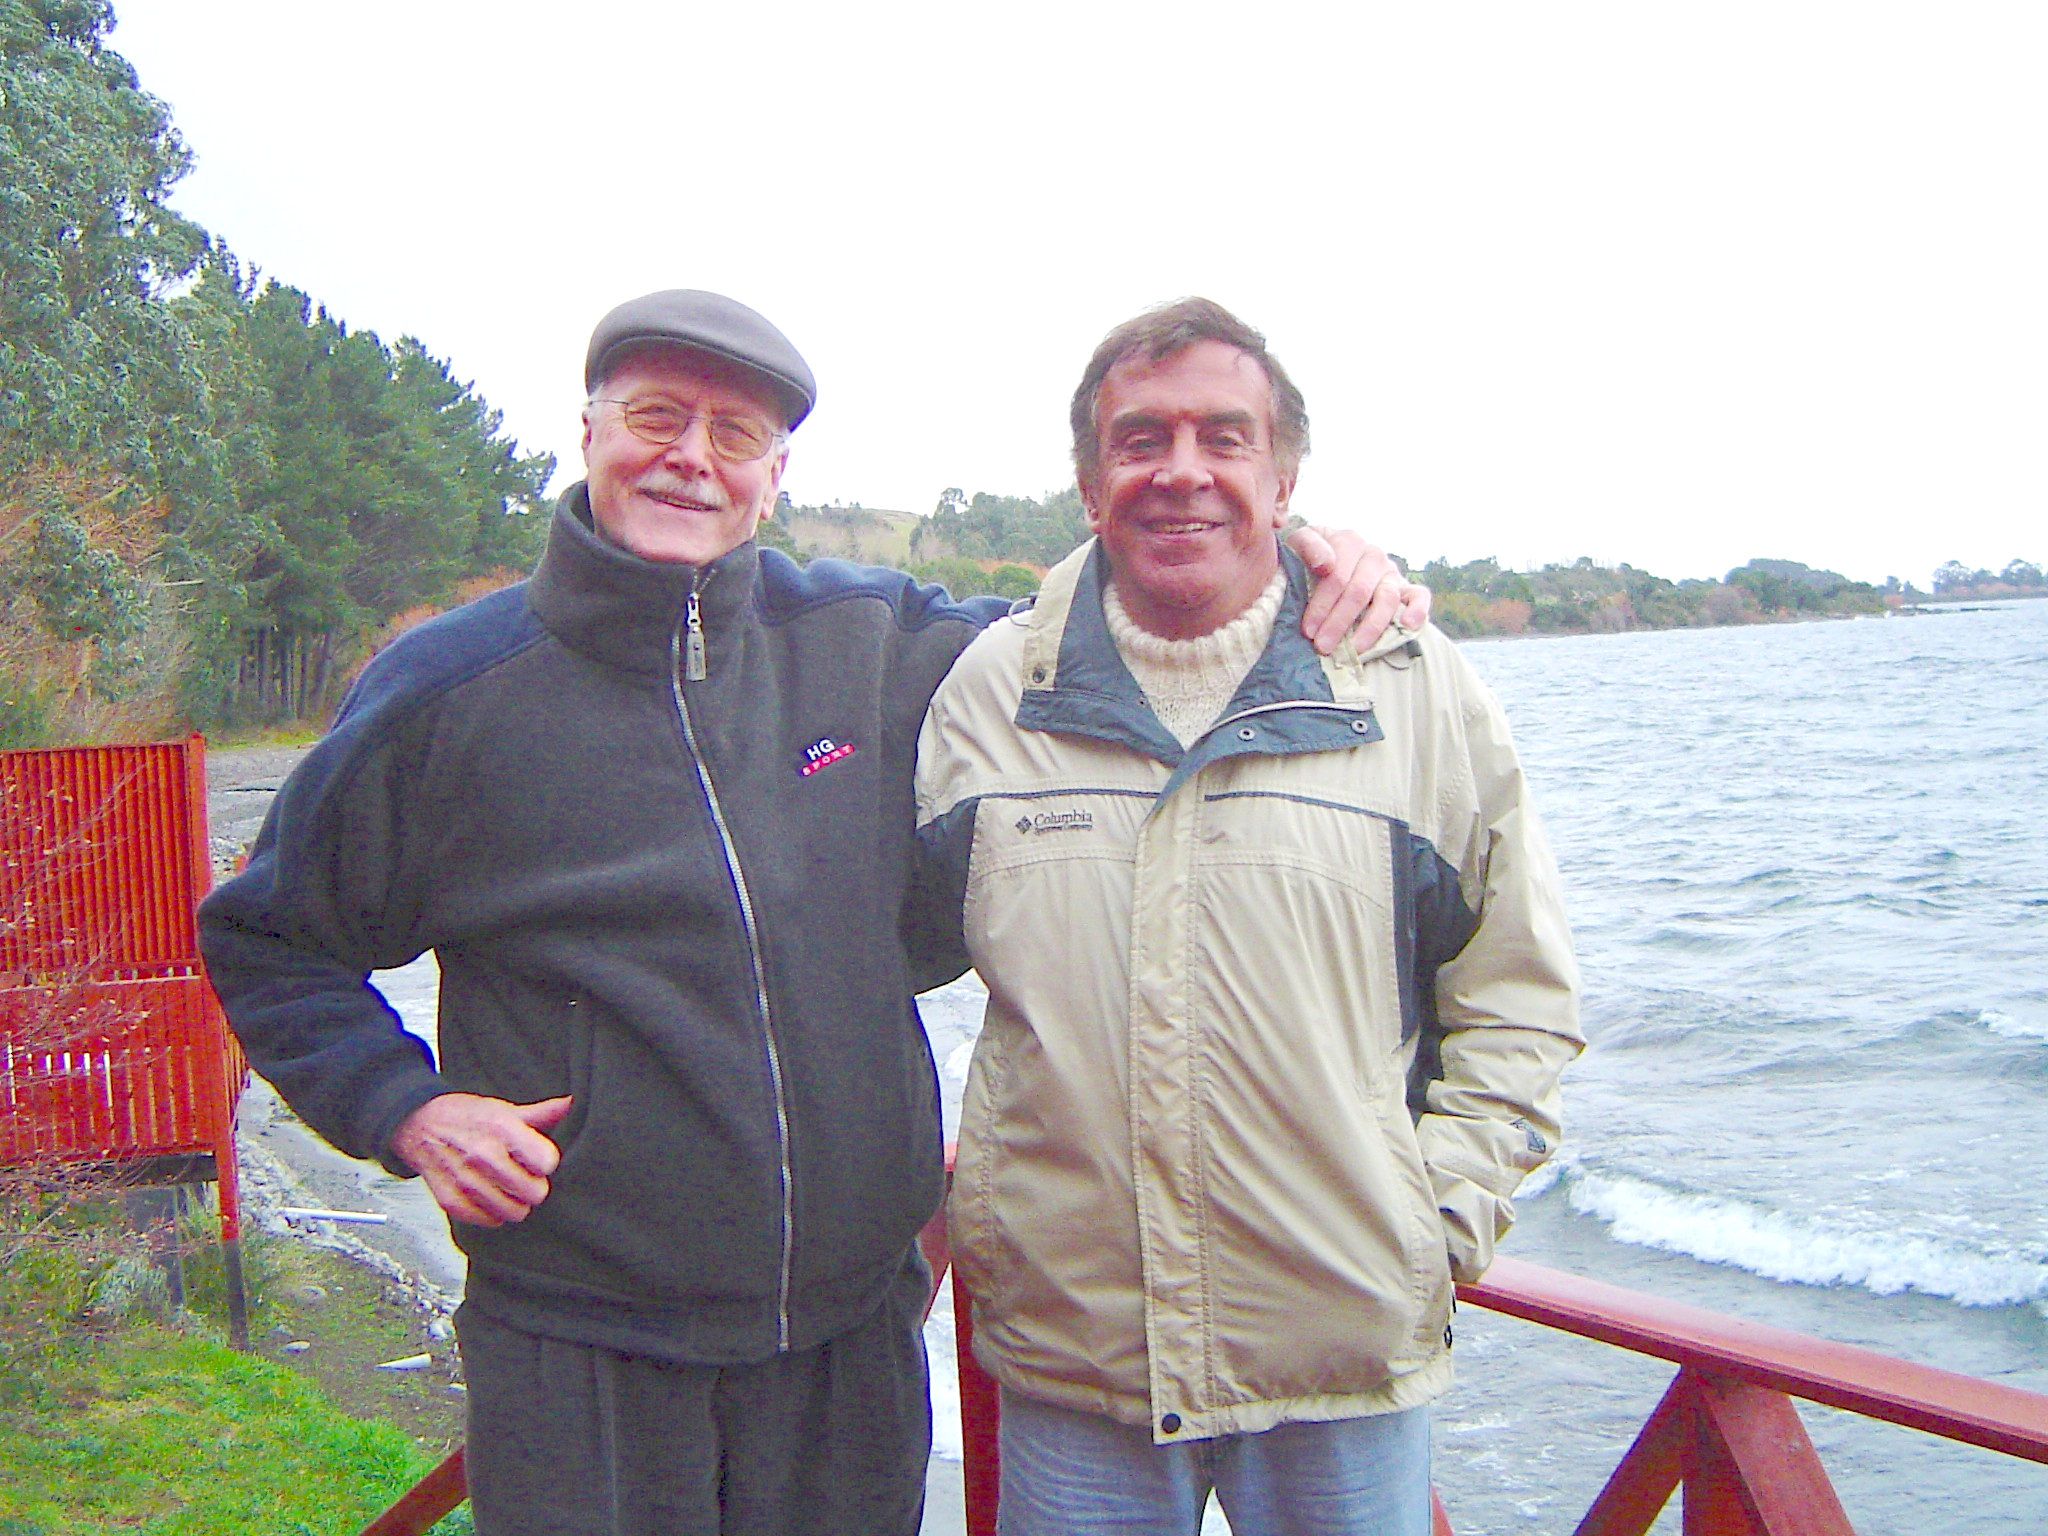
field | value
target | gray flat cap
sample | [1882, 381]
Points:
[709, 322]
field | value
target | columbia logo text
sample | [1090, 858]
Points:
[1057, 821]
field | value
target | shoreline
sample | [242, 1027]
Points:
[1932, 608]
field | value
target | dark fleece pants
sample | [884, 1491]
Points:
[567, 1440]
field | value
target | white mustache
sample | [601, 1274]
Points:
[703, 494]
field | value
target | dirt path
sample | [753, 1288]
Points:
[240, 784]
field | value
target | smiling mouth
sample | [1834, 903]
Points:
[679, 502]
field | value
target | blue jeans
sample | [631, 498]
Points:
[1081, 1474]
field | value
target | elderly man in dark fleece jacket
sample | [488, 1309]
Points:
[652, 811]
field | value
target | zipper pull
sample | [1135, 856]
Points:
[693, 642]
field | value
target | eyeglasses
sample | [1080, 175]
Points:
[736, 439]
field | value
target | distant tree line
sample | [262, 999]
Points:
[1002, 544]
[2020, 578]
[214, 495]
[995, 544]
[1016, 528]
[1482, 598]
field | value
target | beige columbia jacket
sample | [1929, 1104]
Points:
[1274, 1026]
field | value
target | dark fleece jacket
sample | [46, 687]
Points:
[675, 899]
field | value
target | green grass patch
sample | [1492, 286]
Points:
[116, 1417]
[156, 1431]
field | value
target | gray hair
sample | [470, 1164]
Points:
[1169, 328]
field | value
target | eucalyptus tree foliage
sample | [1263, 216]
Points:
[87, 245]
[102, 374]
[89, 353]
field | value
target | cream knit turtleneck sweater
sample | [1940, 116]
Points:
[1187, 682]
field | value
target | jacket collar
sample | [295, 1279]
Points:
[1076, 683]
[621, 609]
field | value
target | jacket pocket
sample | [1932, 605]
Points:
[569, 1132]
[983, 1262]
[1429, 1262]
[665, 1193]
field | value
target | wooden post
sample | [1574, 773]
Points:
[980, 1413]
[1760, 1468]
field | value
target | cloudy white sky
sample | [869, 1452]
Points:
[1672, 285]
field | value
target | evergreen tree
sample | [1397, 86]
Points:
[389, 485]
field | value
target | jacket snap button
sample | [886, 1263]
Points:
[1361, 726]
[1038, 674]
[1245, 733]
[1170, 1425]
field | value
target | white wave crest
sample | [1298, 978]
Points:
[1801, 1251]
[2012, 1028]
[1542, 1179]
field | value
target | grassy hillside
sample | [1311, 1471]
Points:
[871, 535]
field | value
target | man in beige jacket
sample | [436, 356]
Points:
[1280, 987]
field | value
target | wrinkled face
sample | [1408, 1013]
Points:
[1186, 494]
[678, 501]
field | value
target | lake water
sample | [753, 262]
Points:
[1807, 867]
[1808, 874]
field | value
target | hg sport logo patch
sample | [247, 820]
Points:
[822, 753]
[1057, 821]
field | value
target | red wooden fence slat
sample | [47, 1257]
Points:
[112, 1044]
[105, 856]
[148, 1070]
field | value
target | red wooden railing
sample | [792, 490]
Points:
[113, 1049]
[1726, 1431]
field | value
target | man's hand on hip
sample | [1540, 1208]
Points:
[1358, 590]
[485, 1159]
